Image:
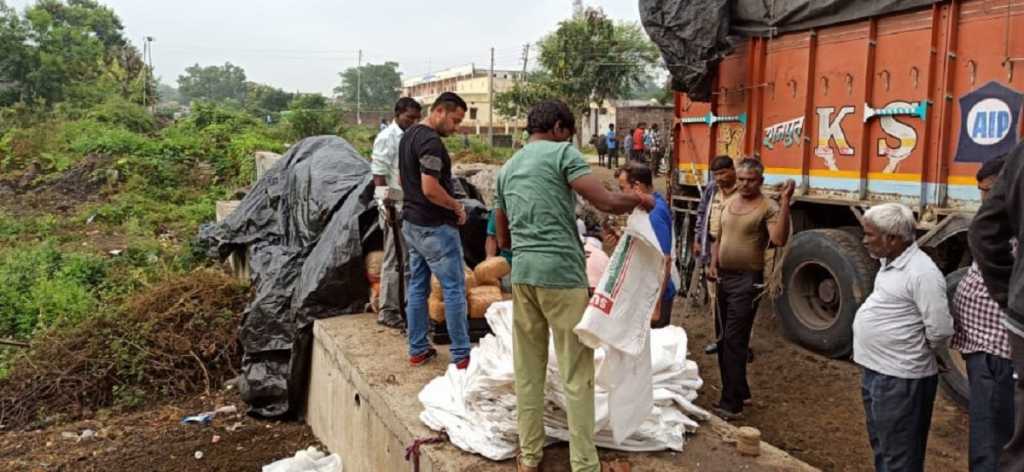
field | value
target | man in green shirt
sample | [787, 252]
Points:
[535, 217]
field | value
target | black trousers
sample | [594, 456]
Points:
[613, 158]
[737, 306]
[990, 409]
[899, 414]
[1012, 459]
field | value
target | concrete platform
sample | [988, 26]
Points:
[363, 405]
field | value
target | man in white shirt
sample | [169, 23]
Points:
[896, 334]
[388, 193]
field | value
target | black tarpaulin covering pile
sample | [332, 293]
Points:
[308, 224]
[694, 35]
[303, 223]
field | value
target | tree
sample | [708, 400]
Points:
[262, 100]
[381, 85]
[73, 50]
[167, 93]
[310, 115]
[213, 83]
[523, 95]
[588, 58]
[653, 90]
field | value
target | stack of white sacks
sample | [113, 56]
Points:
[477, 406]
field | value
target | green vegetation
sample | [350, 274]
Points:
[106, 179]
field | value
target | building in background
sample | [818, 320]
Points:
[471, 83]
[626, 114]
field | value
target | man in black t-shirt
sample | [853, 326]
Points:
[430, 217]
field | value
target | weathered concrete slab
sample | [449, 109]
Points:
[363, 405]
[239, 260]
[264, 161]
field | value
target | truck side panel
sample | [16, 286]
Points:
[812, 101]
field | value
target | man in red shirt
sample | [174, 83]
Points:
[638, 142]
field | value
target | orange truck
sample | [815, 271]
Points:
[902, 106]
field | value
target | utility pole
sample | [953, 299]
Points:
[490, 99]
[148, 57]
[526, 60]
[359, 88]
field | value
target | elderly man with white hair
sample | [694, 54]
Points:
[896, 335]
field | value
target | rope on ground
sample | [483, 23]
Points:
[412, 453]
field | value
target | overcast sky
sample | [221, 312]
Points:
[303, 44]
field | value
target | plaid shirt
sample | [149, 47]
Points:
[978, 319]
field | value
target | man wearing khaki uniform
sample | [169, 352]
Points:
[535, 216]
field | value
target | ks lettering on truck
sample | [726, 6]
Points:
[989, 123]
[830, 130]
[905, 134]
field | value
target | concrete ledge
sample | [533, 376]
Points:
[363, 405]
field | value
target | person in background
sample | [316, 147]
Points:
[638, 142]
[897, 333]
[383, 124]
[549, 277]
[612, 141]
[982, 340]
[653, 143]
[749, 224]
[627, 145]
[1000, 220]
[431, 216]
[636, 177]
[601, 147]
[721, 186]
[388, 194]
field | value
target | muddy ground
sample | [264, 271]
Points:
[155, 440]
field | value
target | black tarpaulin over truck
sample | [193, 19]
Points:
[694, 35]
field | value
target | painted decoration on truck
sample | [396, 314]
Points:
[788, 133]
[903, 133]
[989, 123]
[830, 129]
[730, 140]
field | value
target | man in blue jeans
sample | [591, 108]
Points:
[431, 216]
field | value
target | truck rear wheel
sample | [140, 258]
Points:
[827, 274]
[954, 380]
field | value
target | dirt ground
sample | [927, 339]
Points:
[155, 440]
[808, 405]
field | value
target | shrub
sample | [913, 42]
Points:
[117, 111]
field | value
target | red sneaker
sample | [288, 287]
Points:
[463, 364]
[423, 357]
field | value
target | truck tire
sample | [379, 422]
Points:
[826, 275]
[954, 379]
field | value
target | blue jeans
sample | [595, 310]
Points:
[437, 250]
[991, 408]
[899, 414]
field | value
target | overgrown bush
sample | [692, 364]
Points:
[117, 111]
[42, 287]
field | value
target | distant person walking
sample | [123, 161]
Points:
[638, 142]
[612, 141]
[431, 217]
[388, 193]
